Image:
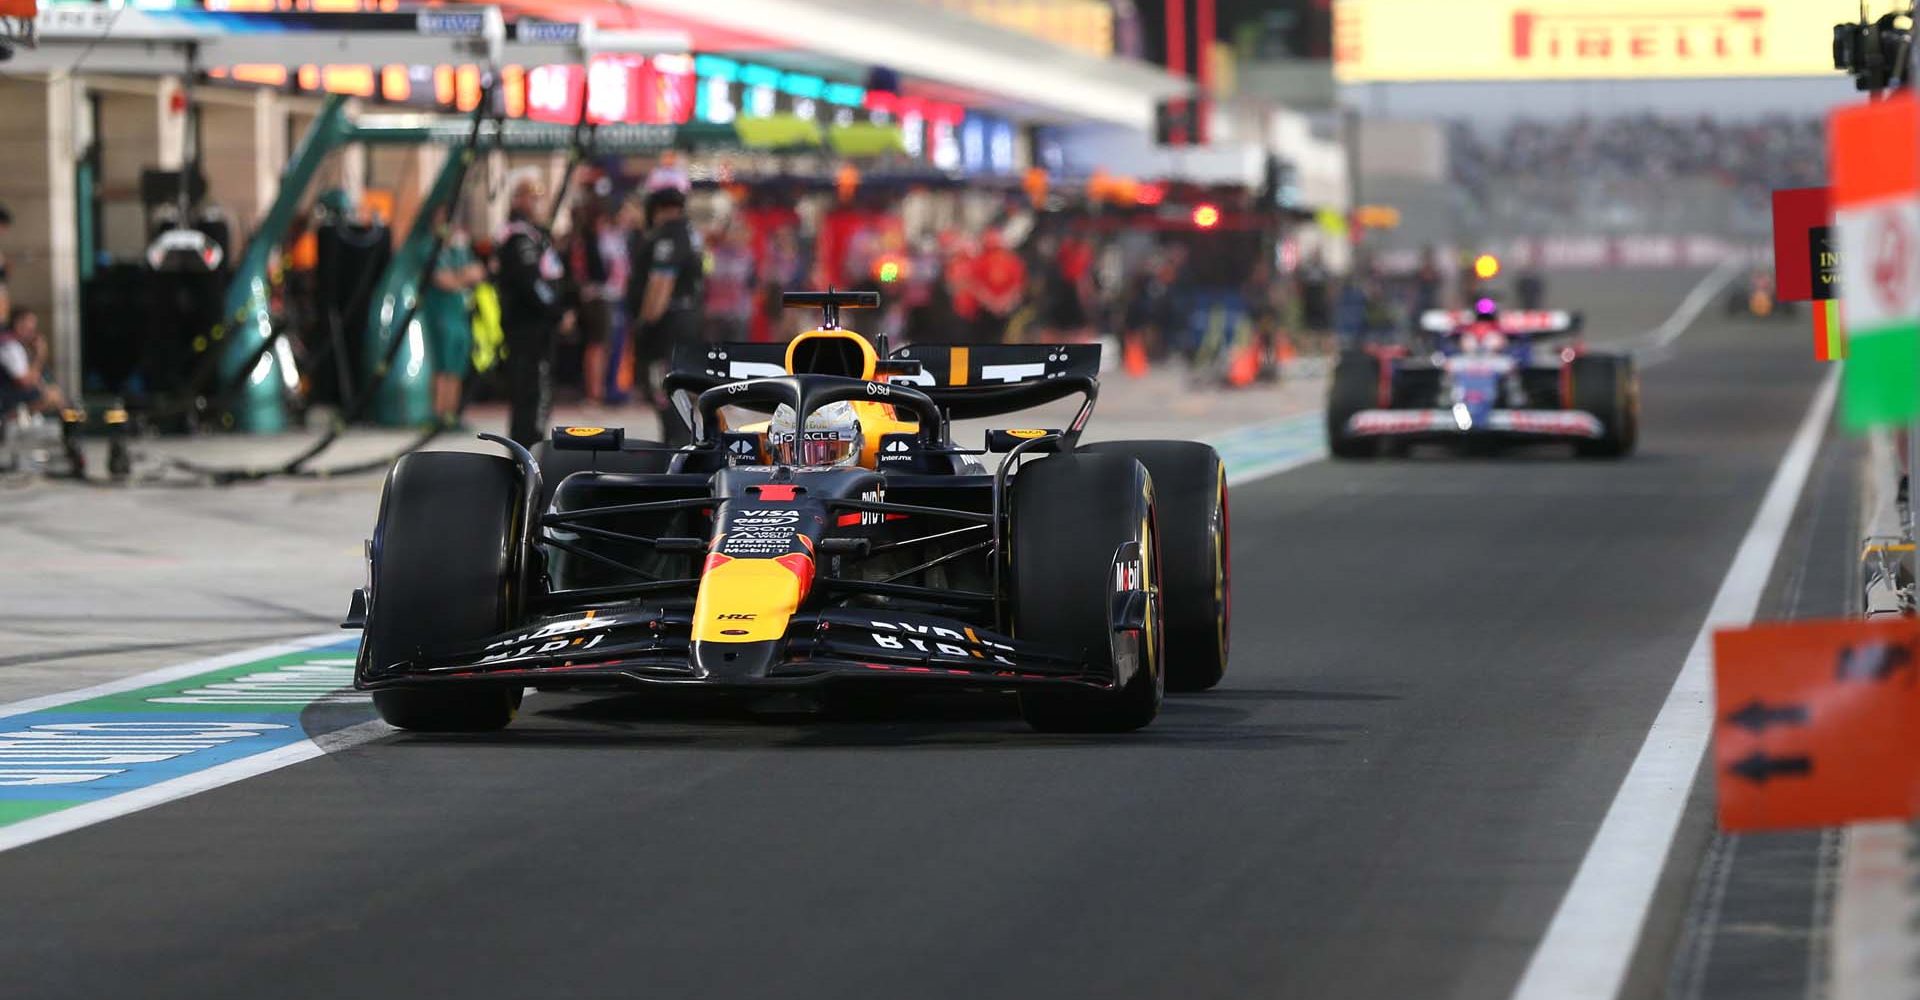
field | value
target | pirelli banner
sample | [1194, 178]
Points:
[1425, 40]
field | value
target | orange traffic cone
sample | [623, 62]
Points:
[1134, 357]
[1245, 366]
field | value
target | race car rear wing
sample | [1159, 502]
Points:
[986, 380]
[967, 381]
[1519, 321]
[730, 361]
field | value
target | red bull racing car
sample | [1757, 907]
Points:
[1489, 376]
[845, 541]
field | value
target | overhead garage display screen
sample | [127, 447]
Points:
[1406, 40]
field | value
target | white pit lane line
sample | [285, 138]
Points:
[1590, 943]
[135, 682]
[1656, 345]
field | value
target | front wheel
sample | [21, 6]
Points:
[444, 568]
[1355, 387]
[1608, 387]
[1083, 537]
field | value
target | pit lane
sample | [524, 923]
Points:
[1442, 668]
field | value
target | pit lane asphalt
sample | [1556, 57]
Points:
[1441, 669]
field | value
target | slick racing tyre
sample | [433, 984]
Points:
[1608, 387]
[1081, 524]
[1355, 387]
[442, 570]
[1190, 511]
[557, 465]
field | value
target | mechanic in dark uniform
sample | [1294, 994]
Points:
[529, 276]
[668, 288]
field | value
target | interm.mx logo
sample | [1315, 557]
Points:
[1696, 32]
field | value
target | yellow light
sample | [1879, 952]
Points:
[890, 272]
[272, 76]
[1377, 216]
[1486, 266]
[394, 84]
[1206, 216]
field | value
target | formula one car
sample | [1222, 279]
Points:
[844, 543]
[1755, 297]
[1490, 376]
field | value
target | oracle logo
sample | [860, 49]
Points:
[1702, 35]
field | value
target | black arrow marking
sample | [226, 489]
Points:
[1755, 716]
[1757, 767]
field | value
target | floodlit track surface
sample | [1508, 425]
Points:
[1442, 668]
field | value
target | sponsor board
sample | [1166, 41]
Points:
[1400, 40]
[103, 744]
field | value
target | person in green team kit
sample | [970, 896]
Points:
[446, 313]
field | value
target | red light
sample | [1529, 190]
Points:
[1150, 194]
[1206, 216]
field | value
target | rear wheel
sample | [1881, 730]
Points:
[1355, 387]
[1190, 512]
[1608, 387]
[1082, 525]
[443, 573]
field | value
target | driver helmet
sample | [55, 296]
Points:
[832, 436]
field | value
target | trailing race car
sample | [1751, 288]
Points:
[846, 542]
[1490, 376]
[1755, 297]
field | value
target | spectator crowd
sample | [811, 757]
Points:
[1619, 172]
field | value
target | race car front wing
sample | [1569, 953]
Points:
[651, 647]
[1440, 422]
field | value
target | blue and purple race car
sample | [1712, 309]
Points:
[1488, 376]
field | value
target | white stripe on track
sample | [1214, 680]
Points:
[67, 820]
[1590, 943]
[173, 673]
[1654, 346]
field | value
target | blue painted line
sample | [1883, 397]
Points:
[1265, 449]
[123, 738]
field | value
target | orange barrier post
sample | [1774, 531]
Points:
[1133, 354]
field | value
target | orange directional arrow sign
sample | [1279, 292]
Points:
[1816, 723]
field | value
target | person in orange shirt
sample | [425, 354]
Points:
[999, 283]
